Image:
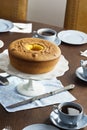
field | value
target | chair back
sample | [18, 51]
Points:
[14, 10]
[76, 15]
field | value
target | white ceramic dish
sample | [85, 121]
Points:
[1, 43]
[57, 122]
[79, 74]
[40, 127]
[73, 37]
[5, 25]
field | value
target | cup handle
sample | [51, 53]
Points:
[35, 34]
[55, 109]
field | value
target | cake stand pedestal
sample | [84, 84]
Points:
[32, 88]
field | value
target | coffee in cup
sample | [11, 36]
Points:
[69, 112]
[46, 33]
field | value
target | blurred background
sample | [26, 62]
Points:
[47, 11]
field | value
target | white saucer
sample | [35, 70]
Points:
[5, 25]
[40, 127]
[73, 37]
[79, 74]
[57, 122]
[57, 41]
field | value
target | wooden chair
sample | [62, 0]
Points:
[14, 10]
[76, 15]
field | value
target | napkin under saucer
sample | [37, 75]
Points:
[57, 122]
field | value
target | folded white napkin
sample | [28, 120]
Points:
[84, 53]
[22, 28]
[9, 94]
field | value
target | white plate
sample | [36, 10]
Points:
[57, 122]
[5, 25]
[73, 37]
[1, 43]
[79, 74]
[40, 127]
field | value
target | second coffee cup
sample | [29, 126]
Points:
[69, 112]
[46, 33]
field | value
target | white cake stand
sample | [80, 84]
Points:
[33, 87]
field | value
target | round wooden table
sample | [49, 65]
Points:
[18, 120]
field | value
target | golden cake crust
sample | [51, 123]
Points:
[33, 55]
[49, 51]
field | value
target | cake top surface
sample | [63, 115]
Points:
[34, 49]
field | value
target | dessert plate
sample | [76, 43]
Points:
[57, 40]
[57, 122]
[40, 127]
[73, 37]
[5, 25]
[79, 74]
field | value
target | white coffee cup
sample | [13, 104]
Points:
[69, 112]
[46, 33]
[84, 67]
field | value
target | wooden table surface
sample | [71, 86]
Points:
[18, 120]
